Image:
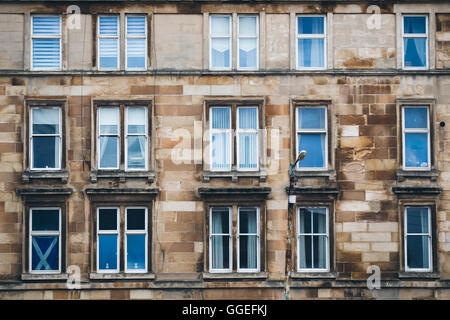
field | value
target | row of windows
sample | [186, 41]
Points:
[312, 236]
[311, 42]
[233, 130]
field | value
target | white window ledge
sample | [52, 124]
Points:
[121, 276]
[44, 277]
[313, 275]
[235, 276]
[418, 275]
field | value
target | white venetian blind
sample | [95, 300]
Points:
[46, 42]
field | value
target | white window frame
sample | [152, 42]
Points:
[311, 36]
[258, 245]
[117, 37]
[109, 135]
[240, 131]
[227, 131]
[136, 134]
[108, 232]
[229, 36]
[415, 35]
[127, 36]
[43, 233]
[239, 37]
[230, 240]
[31, 135]
[33, 36]
[416, 130]
[311, 131]
[428, 234]
[327, 235]
[136, 232]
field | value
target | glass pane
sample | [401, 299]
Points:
[45, 220]
[248, 220]
[247, 26]
[135, 219]
[45, 152]
[416, 150]
[45, 120]
[311, 53]
[314, 144]
[136, 152]
[220, 252]
[320, 252]
[220, 220]
[136, 251]
[320, 220]
[108, 119]
[248, 118]
[415, 52]
[311, 25]
[136, 120]
[220, 25]
[248, 252]
[108, 152]
[135, 25]
[417, 220]
[220, 118]
[221, 151]
[248, 151]
[46, 26]
[108, 53]
[305, 247]
[136, 53]
[107, 251]
[107, 219]
[109, 25]
[248, 53]
[305, 220]
[220, 52]
[414, 24]
[311, 118]
[416, 118]
[417, 252]
[46, 53]
[44, 252]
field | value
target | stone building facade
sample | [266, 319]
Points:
[365, 186]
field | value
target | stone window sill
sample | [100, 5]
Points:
[404, 275]
[44, 277]
[122, 175]
[313, 275]
[330, 174]
[235, 276]
[234, 175]
[62, 175]
[121, 276]
[405, 174]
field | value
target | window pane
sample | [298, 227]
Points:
[305, 246]
[416, 118]
[247, 26]
[247, 53]
[221, 151]
[248, 220]
[220, 220]
[314, 144]
[109, 25]
[416, 149]
[311, 53]
[136, 251]
[220, 25]
[108, 152]
[136, 152]
[220, 252]
[305, 220]
[46, 53]
[311, 118]
[417, 220]
[46, 26]
[107, 251]
[45, 220]
[319, 252]
[414, 24]
[45, 120]
[135, 219]
[415, 52]
[108, 119]
[220, 118]
[135, 25]
[220, 52]
[108, 53]
[136, 120]
[107, 219]
[45, 152]
[44, 252]
[136, 53]
[311, 25]
[248, 118]
[320, 220]
[248, 151]
[417, 253]
[248, 255]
